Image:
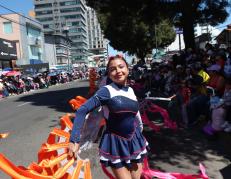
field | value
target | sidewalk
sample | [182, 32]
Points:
[183, 150]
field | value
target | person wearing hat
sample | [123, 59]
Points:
[216, 81]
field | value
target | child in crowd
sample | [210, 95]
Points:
[221, 112]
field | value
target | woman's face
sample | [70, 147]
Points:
[118, 71]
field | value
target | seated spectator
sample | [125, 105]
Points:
[220, 60]
[216, 80]
[1, 88]
[198, 70]
[199, 101]
[227, 105]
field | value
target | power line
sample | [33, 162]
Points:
[24, 16]
[11, 20]
[20, 14]
[6, 18]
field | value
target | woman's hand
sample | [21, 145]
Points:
[73, 149]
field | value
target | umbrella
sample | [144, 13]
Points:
[52, 74]
[13, 73]
[7, 69]
[3, 72]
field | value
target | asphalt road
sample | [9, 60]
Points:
[30, 117]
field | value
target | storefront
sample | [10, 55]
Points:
[8, 53]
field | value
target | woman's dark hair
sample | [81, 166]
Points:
[113, 58]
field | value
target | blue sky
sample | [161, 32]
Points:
[23, 7]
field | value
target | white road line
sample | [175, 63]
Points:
[23, 104]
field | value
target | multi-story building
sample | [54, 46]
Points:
[57, 48]
[58, 15]
[97, 44]
[28, 36]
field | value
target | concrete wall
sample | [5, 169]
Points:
[50, 53]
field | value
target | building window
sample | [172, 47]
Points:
[34, 50]
[33, 32]
[45, 19]
[37, 6]
[77, 9]
[8, 29]
[69, 3]
[43, 12]
[45, 26]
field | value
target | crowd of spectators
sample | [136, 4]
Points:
[201, 81]
[14, 85]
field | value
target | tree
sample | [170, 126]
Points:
[207, 12]
[131, 26]
[191, 12]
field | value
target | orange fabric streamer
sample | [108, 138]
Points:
[53, 160]
[77, 102]
[4, 135]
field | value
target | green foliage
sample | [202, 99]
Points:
[165, 33]
[191, 12]
[130, 25]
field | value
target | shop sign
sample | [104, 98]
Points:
[7, 50]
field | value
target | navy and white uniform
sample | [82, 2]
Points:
[122, 142]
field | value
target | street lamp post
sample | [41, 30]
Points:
[66, 30]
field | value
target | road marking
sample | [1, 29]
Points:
[23, 104]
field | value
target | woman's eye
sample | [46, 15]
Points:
[111, 69]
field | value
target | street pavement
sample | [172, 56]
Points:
[30, 117]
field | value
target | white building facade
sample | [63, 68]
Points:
[97, 44]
